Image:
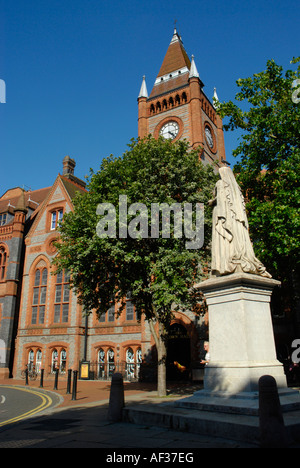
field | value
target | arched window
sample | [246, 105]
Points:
[184, 97]
[62, 297]
[39, 297]
[3, 261]
[177, 100]
[31, 360]
[130, 364]
[63, 361]
[111, 361]
[59, 361]
[54, 361]
[38, 361]
[152, 109]
[139, 360]
[101, 364]
[171, 102]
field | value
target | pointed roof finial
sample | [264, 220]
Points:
[193, 71]
[215, 98]
[143, 91]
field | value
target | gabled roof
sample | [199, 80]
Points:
[69, 187]
[32, 199]
[174, 72]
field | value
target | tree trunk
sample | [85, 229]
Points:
[162, 358]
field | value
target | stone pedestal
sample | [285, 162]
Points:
[242, 346]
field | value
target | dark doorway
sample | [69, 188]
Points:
[179, 353]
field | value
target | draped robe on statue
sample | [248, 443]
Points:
[232, 250]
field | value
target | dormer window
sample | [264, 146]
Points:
[56, 218]
[3, 219]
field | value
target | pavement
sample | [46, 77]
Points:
[84, 424]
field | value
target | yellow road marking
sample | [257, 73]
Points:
[46, 402]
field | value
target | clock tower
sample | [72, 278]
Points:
[177, 107]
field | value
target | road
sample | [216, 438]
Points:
[18, 403]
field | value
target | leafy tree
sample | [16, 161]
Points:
[267, 114]
[159, 272]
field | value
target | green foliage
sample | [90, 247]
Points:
[269, 162]
[158, 272]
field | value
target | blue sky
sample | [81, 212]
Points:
[73, 71]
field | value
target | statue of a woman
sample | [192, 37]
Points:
[232, 250]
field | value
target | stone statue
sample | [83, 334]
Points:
[232, 250]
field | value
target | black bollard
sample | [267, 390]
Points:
[26, 377]
[74, 392]
[42, 379]
[272, 429]
[116, 399]
[69, 382]
[56, 380]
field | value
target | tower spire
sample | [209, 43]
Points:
[143, 91]
[193, 71]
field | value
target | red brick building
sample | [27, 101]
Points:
[41, 323]
[178, 108]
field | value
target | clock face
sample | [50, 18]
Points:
[170, 130]
[209, 137]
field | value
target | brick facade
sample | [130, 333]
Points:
[41, 322]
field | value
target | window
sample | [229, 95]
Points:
[59, 361]
[56, 218]
[39, 297]
[62, 297]
[3, 219]
[31, 360]
[129, 310]
[111, 362]
[3, 261]
[38, 361]
[111, 313]
[130, 364]
[101, 364]
[63, 361]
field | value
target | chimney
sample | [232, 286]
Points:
[68, 166]
[68, 171]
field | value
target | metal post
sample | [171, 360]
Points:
[56, 380]
[69, 381]
[26, 376]
[74, 393]
[42, 379]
